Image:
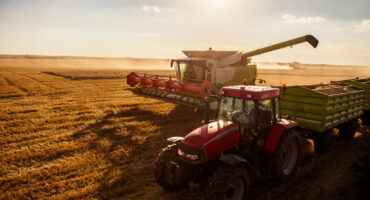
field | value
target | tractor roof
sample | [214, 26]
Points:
[209, 54]
[250, 92]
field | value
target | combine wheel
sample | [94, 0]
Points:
[229, 182]
[285, 158]
[324, 141]
[347, 130]
[162, 171]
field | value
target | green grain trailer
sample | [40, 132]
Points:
[365, 85]
[319, 109]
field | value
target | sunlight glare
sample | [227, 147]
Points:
[217, 3]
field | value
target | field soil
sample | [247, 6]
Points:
[71, 132]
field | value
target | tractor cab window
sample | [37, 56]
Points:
[236, 109]
[253, 116]
[265, 112]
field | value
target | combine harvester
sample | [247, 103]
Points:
[203, 73]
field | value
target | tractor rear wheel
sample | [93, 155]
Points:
[285, 158]
[323, 142]
[347, 130]
[229, 182]
[162, 172]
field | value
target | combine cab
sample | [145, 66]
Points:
[203, 73]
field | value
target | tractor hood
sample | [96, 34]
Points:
[210, 133]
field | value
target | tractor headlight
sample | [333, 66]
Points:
[189, 156]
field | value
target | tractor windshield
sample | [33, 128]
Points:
[233, 108]
[246, 112]
[251, 115]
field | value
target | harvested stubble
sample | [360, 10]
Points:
[62, 138]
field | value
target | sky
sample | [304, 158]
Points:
[162, 28]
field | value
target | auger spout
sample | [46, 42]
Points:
[307, 38]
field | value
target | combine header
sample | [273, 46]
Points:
[203, 73]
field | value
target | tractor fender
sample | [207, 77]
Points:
[233, 159]
[279, 128]
[175, 139]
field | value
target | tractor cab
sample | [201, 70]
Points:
[254, 108]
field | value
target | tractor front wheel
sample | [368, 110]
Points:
[164, 175]
[229, 182]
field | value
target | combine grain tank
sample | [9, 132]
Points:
[322, 107]
[203, 73]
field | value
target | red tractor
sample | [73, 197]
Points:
[248, 140]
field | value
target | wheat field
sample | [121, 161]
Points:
[63, 138]
[78, 134]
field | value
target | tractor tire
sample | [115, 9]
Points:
[347, 130]
[228, 182]
[161, 171]
[323, 142]
[285, 158]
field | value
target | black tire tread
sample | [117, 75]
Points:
[347, 130]
[321, 145]
[222, 176]
[159, 169]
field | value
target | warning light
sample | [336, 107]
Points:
[245, 81]
[284, 87]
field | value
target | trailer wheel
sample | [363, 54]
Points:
[347, 130]
[324, 141]
[162, 173]
[366, 118]
[228, 182]
[285, 158]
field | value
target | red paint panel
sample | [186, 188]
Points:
[205, 133]
[276, 132]
[215, 148]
